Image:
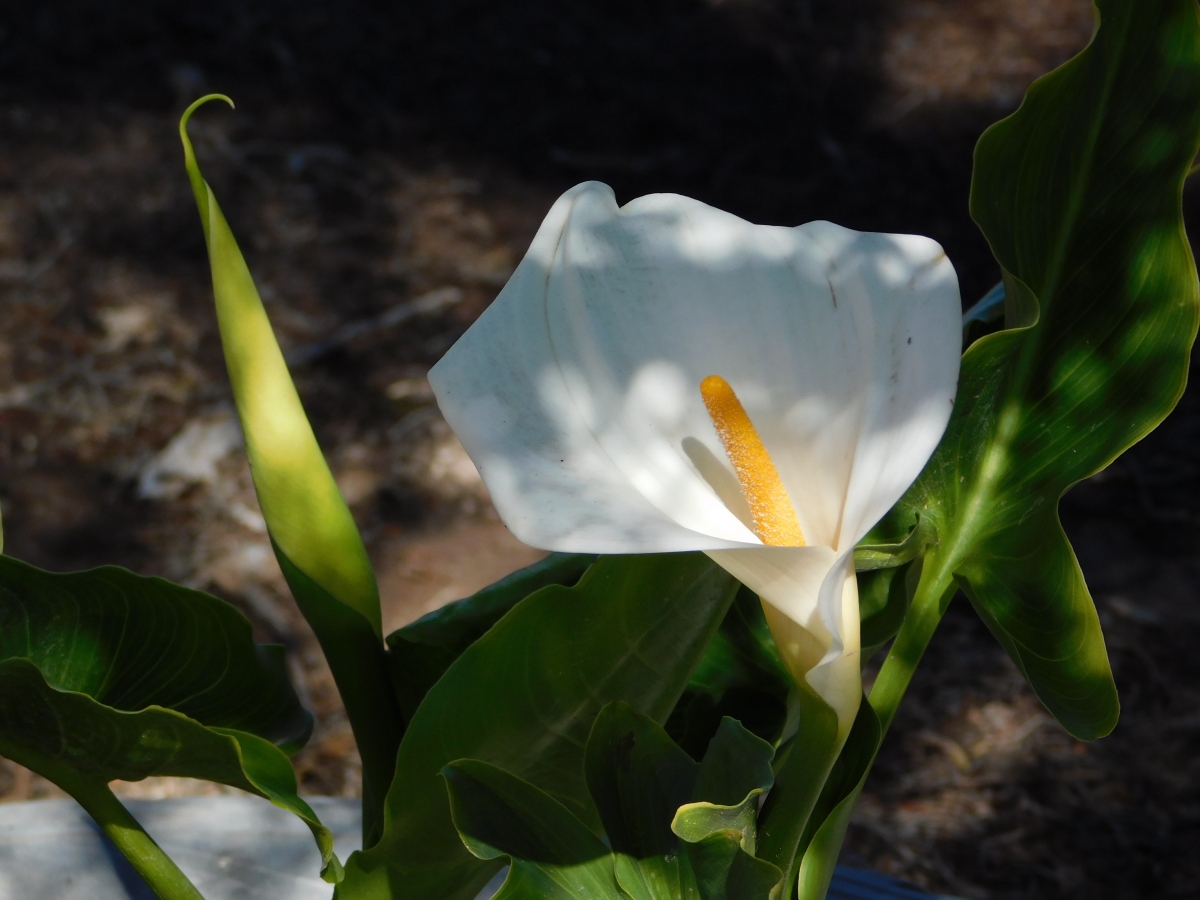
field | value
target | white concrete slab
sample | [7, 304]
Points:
[233, 848]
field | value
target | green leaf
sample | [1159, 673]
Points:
[830, 818]
[719, 826]
[638, 777]
[883, 598]
[736, 766]
[108, 675]
[651, 794]
[740, 676]
[552, 854]
[524, 696]
[1078, 193]
[314, 536]
[873, 554]
[421, 652]
[304, 510]
[130, 642]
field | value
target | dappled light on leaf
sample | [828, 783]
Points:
[1078, 193]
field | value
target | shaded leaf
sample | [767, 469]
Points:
[719, 826]
[552, 854]
[736, 765]
[985, 316]
[884, 596]
[877, 552]
[524, 696]
[651, 794]
[108, 675]
[725, 871]
[638, 777]
[740, 676]
[420, 652]
[1078, 194]
[498, 814]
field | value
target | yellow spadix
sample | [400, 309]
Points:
[775, 520]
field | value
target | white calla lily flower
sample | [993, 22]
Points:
[583, 395]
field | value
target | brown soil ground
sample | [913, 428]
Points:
[381, 152]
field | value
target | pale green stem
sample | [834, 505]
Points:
[798, 786]
[156, 868]
[791, 801]
[932, 596]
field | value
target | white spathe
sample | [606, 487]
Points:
[577, 395]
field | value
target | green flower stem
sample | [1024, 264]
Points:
[147, 858]
[933, 594]
[798, 786]
[790, 803]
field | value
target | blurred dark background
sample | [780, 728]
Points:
[383, 152]
[857, 111]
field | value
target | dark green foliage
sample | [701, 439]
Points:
[524, 696]
[108, 675]
[740, 676]
[421, 652]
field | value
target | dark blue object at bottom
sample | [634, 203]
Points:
[861, 884]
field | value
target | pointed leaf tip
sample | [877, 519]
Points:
[199, 187]
[315, 538]
[305, 513]
[195, 105]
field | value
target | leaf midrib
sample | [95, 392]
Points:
[1010, 415]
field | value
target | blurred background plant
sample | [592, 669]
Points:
[387, 166]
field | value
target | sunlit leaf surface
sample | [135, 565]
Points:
[1078, 193]
[312, 532]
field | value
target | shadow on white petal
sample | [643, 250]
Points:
[589, 362]
[721, 478]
